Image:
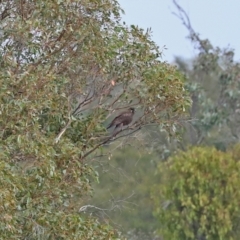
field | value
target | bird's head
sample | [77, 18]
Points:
[132, 110]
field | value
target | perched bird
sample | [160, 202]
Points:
[123, 119]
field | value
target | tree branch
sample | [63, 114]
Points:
[85, 207]
[108, 139]
[183, 16]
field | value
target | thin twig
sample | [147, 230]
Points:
[183, 16]
[86, 101]
[107, 140]
[83, 103]
[85, 207]
[63, 131]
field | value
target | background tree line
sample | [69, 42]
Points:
[192, 195]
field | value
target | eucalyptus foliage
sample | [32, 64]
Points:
[65, 67]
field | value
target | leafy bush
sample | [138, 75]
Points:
[199, 196]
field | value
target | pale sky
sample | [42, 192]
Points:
[217, 20]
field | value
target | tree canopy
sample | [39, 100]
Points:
[66, 66]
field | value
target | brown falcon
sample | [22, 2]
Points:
[123, 119]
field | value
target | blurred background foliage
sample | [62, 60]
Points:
[213, 80]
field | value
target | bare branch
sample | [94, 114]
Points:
[134, 126]
[85, 207]
[183, 16]
[120, 95]
[125, 135]
[77, 110]
[63, 131]
[86, 101]
[96, 147]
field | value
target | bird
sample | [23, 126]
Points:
[123, 119]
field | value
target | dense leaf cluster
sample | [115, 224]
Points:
[200, 195]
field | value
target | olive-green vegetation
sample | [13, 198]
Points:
[199, 195]
[66, 67]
